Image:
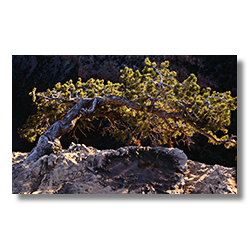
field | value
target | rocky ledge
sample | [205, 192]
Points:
[127, 170]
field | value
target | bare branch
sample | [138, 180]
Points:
[213, 97]
[47, 98]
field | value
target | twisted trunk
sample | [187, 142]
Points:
[49, 141]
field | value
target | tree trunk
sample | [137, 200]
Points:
[49, 141]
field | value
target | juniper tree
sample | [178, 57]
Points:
[148, 105]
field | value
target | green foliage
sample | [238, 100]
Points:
[155, 87]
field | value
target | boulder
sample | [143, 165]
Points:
[86, 170]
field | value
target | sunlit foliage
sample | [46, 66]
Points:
[154, 88]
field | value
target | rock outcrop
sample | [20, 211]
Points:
[127, 170]
[209, 179]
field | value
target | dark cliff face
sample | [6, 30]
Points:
[42, 72]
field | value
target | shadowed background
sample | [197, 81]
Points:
[42, 72]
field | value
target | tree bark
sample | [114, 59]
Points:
[49, 141]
